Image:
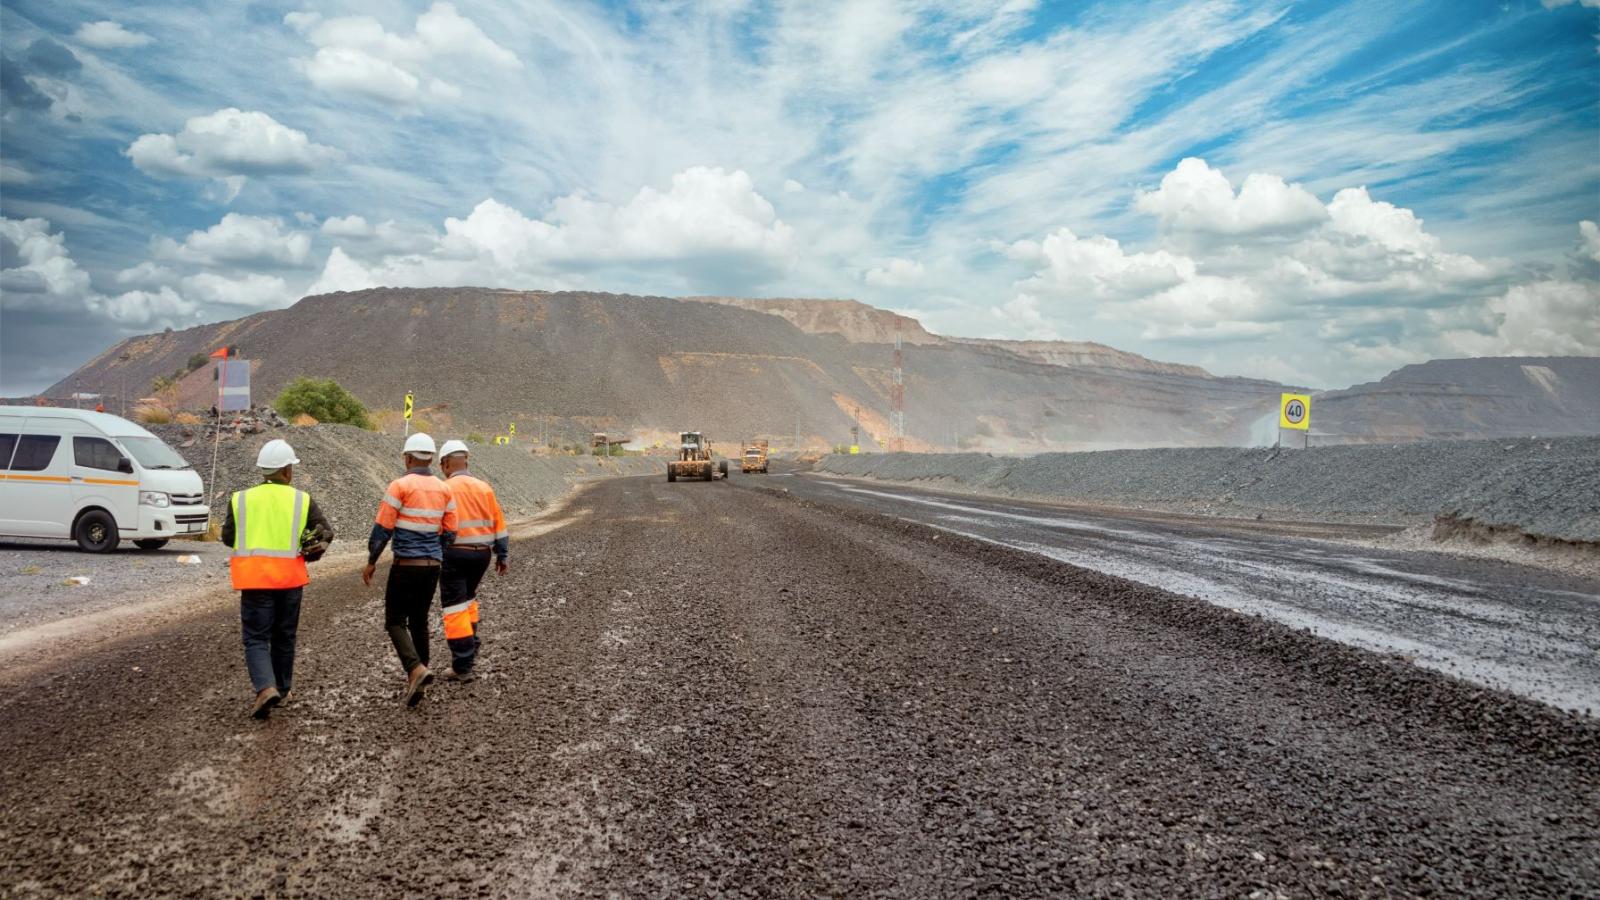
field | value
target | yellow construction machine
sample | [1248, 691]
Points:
[753, 457]
[694, 459]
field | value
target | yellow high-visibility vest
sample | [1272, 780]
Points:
[268, 521]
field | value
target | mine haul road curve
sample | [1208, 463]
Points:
[726, 689]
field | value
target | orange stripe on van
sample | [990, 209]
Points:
[110, 481]
[51, 479]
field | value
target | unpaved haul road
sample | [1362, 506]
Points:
[695, 689]
[1524, 630]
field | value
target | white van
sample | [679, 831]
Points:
[94, 478]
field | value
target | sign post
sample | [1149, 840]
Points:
[410, 404]
[513, 436]
[1294, 413]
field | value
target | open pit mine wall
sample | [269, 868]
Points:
[1545, 489]
[655, 365]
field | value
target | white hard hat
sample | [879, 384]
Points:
[275, 454]
[453, 447]
[420, 444]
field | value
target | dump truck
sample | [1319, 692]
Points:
[753, 457]
[694, 459]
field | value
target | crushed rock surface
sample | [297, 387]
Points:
[700, 690]
[1544, 488]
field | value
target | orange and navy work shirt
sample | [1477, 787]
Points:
[482, 522]
[419, 514]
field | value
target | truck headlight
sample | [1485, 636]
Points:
[154, 498]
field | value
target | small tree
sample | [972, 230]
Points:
[322, 399]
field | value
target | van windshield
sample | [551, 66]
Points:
[153, 453]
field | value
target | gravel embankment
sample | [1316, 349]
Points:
[1541, 488]
[346, 470]
[852, 707]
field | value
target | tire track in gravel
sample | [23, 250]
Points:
[703, 690]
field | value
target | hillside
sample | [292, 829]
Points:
[1456, 398]
[648, 366]
[800, 371]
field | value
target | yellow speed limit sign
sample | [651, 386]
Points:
[1294, 411]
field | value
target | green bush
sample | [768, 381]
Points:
[195, 361]
[321, 399]
[474, 438]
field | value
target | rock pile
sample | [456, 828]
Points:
[1541, 488]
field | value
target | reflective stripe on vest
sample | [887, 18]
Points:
[268, 521]
[482, 522]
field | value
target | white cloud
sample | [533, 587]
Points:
[1542, 318]
[240, 240]
[1553, 4]
[1198, 199]
[108, 35]
[252, 290]
[1363, 283]
[146, 275]
[356, 54]
[709, 227]
[895, 273]
[346, 226]
[1589, 237]
[229, 143]
[39, 273]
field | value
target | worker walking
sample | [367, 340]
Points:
[274, 530]
[482, 531]
[418, 514]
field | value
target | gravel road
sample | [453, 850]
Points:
[697, 689]
[1524, 630]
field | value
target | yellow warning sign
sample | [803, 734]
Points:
[1294, 411]
[854, 449]
[409, 402]
[513, 429]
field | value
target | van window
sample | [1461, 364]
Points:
[8, 443]
[34, 452]
[96, 453]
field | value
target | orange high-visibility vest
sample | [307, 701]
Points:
[481, 521]
[268, 520]
[417, 503]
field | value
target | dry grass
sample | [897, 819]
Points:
[303, 419]
[152, 414]
[186, 419]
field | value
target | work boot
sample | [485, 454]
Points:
[451, 674]
[416, 684]
[266, 699]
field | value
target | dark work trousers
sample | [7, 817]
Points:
[406, 602]
[458, 583]
[270, 620]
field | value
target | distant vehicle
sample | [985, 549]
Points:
[694, 459]
[754, 457]
[94, 478]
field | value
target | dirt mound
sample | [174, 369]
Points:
[346, 470]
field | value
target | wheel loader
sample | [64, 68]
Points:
[694, 459]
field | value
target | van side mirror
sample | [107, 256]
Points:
[124, 465]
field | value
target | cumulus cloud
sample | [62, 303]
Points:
[894, 273]
[40, 275]
[229, 144]
[240, 240]
[346, 226]
[1198, 199]
[1345, 281]
[251, 291]
[357, 55]
[709, 228]
[108, 35]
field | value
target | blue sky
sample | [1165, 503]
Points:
[1313, 192]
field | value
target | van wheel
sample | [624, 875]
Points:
[96, 532]
[150, 543]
